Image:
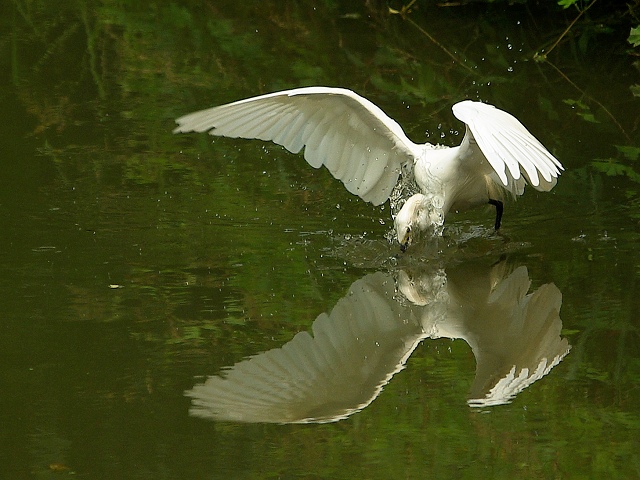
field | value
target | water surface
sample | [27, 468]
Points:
[137, 265]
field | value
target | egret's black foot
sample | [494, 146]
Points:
[499, 209]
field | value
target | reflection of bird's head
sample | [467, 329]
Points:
[424, 287]
[411, 220]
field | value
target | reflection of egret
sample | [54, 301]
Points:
[514, 336]
[367, 150]
[371, 332]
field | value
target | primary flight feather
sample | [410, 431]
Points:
[368, 151]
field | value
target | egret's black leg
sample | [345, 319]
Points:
[499, 208]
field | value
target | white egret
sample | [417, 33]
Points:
[368, 151]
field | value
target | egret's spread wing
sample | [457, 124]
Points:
[509, 147]
[352, 137]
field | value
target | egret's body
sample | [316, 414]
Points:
[368, 151]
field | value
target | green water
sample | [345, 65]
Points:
[138, 265]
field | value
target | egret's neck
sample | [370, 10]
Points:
[437, 163]
[436, 173]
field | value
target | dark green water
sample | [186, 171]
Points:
[136, 263]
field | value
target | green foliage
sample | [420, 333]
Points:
[582, 110]
[634, 36]
[568, 3]
[622, 164]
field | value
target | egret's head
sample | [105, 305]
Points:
[411, 220]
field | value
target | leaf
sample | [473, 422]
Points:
[609, 167]
[629, 152]
[582, 110]
[588, 116]
[567, 3]
[634, 36]
[575, 103]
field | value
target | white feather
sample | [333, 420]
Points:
[365, 149]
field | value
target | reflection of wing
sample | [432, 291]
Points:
[515, 339]
[509, 147]
[515, 336]
[339, 129]
[353, 353]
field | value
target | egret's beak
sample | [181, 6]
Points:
[406, 240]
